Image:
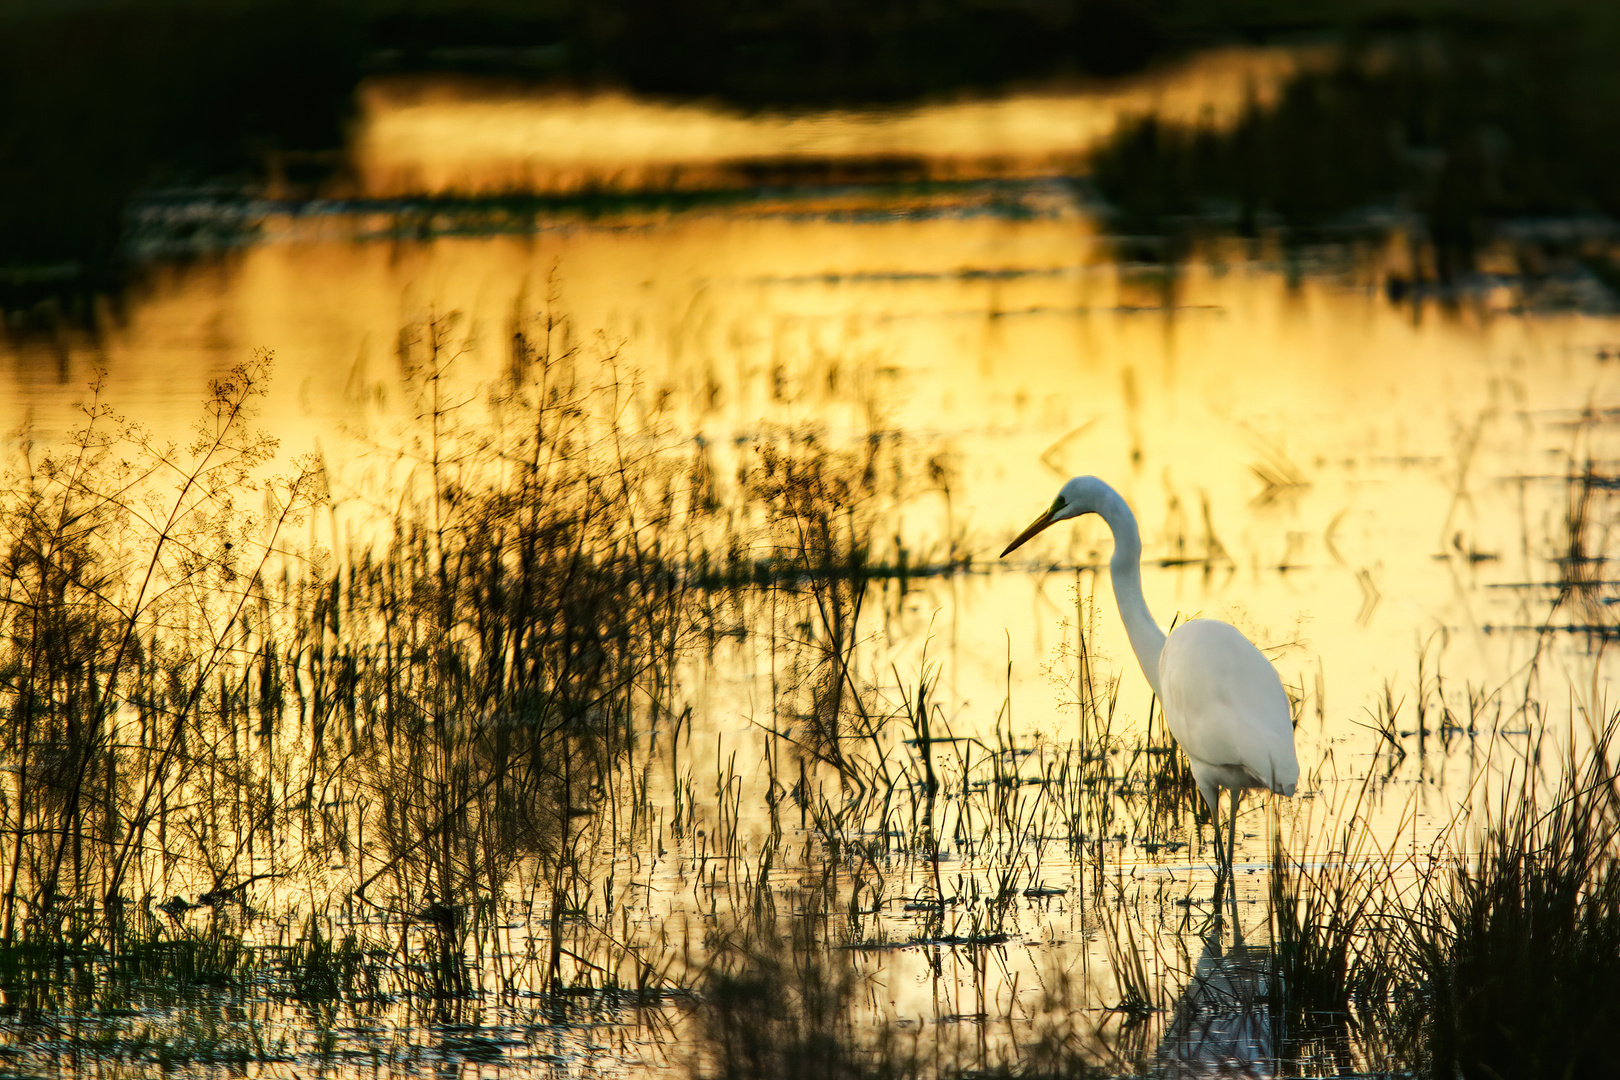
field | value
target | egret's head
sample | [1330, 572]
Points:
[1082, 495]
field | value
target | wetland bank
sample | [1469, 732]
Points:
[485, 634]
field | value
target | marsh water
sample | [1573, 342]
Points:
[1379, 486]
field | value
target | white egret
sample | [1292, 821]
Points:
[1221, 697]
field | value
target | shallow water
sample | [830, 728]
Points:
[1375, 492]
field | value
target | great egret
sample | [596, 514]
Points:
[1222, 699]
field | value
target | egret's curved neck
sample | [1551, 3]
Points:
[1147, 640]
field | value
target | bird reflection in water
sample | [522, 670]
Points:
[1221, 1023]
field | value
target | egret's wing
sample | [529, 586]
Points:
[1225, 704]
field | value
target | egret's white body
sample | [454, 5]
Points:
[1221, 697]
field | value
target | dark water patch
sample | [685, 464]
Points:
[103, 101]
[166, 225]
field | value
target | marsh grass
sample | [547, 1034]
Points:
[1581, 553]
[447, 717]
[434, 774]
[482, 677]
[1330, 979]
[1517, 951]
[1124, 773]
[818, 508]
[1492, 954]
[447, 728]
[133, 667]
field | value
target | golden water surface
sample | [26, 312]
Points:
[1351, 481]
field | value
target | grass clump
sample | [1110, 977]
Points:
[1516, 955]
[1330, 976]
[1501, 963]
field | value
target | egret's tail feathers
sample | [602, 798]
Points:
[1284, 774]
[1280, 781]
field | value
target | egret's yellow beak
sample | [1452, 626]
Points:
[1034, 527]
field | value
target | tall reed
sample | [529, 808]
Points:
[139, 604]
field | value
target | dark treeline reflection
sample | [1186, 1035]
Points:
[1459, 115]
[1460, 140]
[103, 100]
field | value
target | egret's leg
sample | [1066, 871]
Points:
[1225, 874]
[1231, 831]
[1212, 799]
[1222, 857]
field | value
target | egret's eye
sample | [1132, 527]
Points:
[1057, 505]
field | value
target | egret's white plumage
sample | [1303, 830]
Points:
[1221, 697]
